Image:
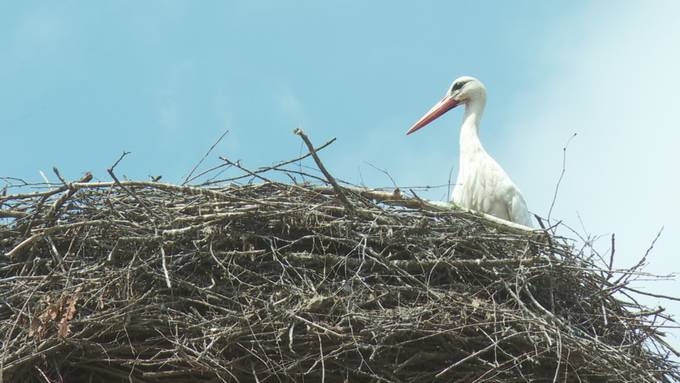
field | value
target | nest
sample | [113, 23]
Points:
[270, 282]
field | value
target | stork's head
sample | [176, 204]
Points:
[461, 91]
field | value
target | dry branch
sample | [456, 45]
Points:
[329, 177]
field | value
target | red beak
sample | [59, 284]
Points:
[443, 106]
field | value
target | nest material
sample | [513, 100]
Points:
[150, 282]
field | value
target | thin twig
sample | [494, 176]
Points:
[249, 172]
[385, 172]
[559, 181]
[610, 265]
[187, 179]
[448, 185]
[129, 191]
[276, 166]
[670, 298]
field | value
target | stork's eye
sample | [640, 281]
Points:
[457, 86]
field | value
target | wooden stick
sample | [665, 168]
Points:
[329, 177]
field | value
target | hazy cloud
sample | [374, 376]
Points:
[614, 82]
[40, 31]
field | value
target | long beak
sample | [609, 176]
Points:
[443, 106]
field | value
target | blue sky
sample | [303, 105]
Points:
[82, 81]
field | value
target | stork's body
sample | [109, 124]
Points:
[482, 184]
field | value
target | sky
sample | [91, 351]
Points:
[81, 82]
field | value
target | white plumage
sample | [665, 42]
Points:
[482, 184]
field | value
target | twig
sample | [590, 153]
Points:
[276, 166]
[324, 329]
[564, 168]
[44, 177]
[164, 264]
[251, 173]
[50, 230]
[642, 261]
[118, 160]
[329, 177]
[652, 294]
[610, 265]
[385, 172]
[204, 157]
[448, 185]
[130, 192]
[56, 172]
[323, 365]
[474, 354]
[52, 213]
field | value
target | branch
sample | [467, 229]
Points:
[329, 177]
[276, 166]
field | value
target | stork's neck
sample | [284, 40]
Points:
[469, 131]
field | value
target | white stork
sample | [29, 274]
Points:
[482, 184]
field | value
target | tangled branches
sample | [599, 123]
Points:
[270, 282]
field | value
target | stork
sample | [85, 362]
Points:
[482, 184]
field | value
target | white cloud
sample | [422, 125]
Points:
[289, 103]
[614, 81]
[39, 32]
[168, 102]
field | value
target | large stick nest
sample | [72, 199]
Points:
[151, 282]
